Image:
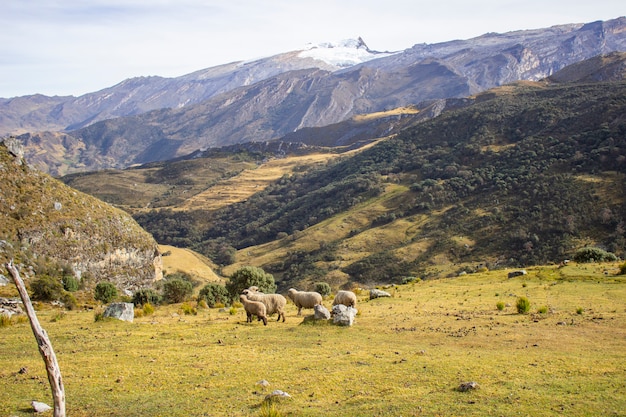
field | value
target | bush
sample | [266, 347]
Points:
[212, 294]
[593, 254]
[500, 305]
[70, 283]
[542, 310]
[148, 309]
[176, 290]
[523, 305]
[105, 292]
[250, 276]
[146, 296]
[46, 288]
[323, 288]
[622, 269]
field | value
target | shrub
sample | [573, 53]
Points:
[146, 296]
[176, 290]
[323, 288]
[148, 309]
[5, 320]
[232, 311]
[622, 269]
[593, 254]
[69, 301]
[523, 305]
[212, 294]
[542, 310]
[580, 310]
[70, 283]
[188, 309]
[105, 292]
[46, 288]
[250, 276]
[500, 305]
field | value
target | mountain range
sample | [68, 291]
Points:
[152, 118]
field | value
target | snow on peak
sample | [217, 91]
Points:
[341, 54]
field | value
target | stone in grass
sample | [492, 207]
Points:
[378, 294]
[343, 316]
[40, 407]
[321, 312]
[277, 394]
[121, 311]
[468, 386]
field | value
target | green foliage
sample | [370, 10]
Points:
[542, 310]
[213, 293]
[188, 309]
[105, 292]
[250, 276]
[593, 254]
[622, 269]
[580, 310]
[381, 267]
[522, 305]
[148, 309]
[500, 305]
[146, 296]
[70, 283]
[46, 288]
[323, 288]
[176, 290]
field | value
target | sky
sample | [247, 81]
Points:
[73, 47]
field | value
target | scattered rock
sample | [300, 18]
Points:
[10, 306]
[514, 274]
[264, 383]
[468, 386]
[40, 407]
[121, 311]
[378, 294]
[344, 316]
[277, 393]
[321, 312]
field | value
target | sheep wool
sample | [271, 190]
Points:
[347, 298]
[253, 308]
[274, 303]
[304, 299]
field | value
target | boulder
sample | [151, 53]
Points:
[344, 316]
[40, 407]
[378, 294]
[514, 274]
[8, 306]
[121, 311]
[321, 312]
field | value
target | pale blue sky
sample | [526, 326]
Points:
[62, 47]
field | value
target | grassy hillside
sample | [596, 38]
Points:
[526, 175]
[406, 355]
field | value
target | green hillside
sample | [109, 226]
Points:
[526, 175]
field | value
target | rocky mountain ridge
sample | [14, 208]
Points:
[295, 98]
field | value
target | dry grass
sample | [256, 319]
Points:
[186, 260]
[406, 355]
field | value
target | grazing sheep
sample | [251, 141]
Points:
[274, 303]
[253, 308]
[304, 299]
[347, 298]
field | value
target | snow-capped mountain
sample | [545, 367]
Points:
[342, 54]
[267, 98]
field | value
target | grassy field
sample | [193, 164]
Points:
[405, 356]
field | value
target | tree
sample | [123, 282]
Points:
[213, 294]
[105, 292]
[176, 290]
[250, 276]
[323, 288]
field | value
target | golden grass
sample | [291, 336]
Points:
[406, 355]
[186, 260]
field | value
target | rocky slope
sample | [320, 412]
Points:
[47, 222]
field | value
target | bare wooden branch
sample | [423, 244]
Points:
[45, 347]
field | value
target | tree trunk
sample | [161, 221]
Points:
[45, 347]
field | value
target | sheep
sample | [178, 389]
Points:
[274, 303]
[304, 299]
[253, 308]
[347, 298]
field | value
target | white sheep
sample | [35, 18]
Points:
[253, 308]
[347, 298]
[304, 299]
[274, 303]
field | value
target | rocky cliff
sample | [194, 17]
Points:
[45, 221]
